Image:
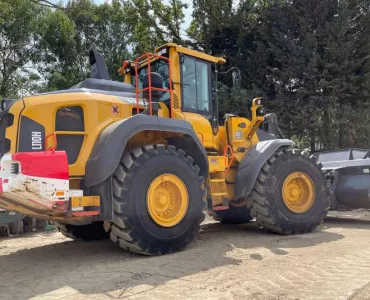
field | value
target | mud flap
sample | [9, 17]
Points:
[252, 163]
[38, 181]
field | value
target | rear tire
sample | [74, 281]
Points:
[91, 232]
[134, 228]
[233, 215]
[266, 200]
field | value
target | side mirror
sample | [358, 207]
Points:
[236, 77]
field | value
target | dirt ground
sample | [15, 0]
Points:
[226, 262]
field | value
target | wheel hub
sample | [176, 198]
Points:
[167, 200]
[298, 192]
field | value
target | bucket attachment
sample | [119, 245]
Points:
[349, 173]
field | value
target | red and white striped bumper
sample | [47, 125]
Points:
[37, 181]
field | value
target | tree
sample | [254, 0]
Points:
[209, 18]
[307, 58]
[153, 23]
[20, 41]
[46, 3]
[85, 25]
[346, 71]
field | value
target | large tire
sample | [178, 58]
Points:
[133, 227]
[266, 200]
[233, 215]
[91, 232]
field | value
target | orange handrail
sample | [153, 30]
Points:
[226, 148]
[147, 58]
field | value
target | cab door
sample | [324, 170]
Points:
[196, 95]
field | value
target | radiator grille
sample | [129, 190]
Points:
[176, 102]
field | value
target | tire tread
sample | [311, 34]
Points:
[264, 210]
[119, 230]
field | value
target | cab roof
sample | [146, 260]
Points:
[201, 55]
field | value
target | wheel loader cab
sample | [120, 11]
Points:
[194, 91]
[192, 97]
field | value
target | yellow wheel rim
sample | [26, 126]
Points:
[167, 200]
[298, 192]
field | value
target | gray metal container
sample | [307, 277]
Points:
[349, 172]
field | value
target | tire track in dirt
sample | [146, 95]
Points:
[235, 262]
[336, 278]
[333, 277]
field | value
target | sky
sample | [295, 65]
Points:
[187, 12]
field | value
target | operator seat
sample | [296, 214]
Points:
[156, 82]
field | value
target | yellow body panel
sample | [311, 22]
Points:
[217, 163]
[238, 136]
[176, 78]
[97, 116]
[202, 128]
[220, 139]
[77, 202]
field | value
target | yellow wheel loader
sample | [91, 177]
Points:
[142, 161]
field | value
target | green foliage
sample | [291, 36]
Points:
[308, 59]
[209, 17]
[153, 23]
[84, 25]
[118, 30]
[20, 40]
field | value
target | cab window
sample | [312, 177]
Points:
[159, 66]
[195, 85]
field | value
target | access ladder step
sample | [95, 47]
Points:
[223, 206]
[219, 194]
[217, 164]
[217, 180]
[220, 207]
[81, 205]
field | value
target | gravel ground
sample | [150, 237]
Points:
[226, 262]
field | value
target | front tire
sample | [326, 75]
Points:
[151, 217]
[291, 194]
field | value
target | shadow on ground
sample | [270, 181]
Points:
[101, 267]
[347, 222]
